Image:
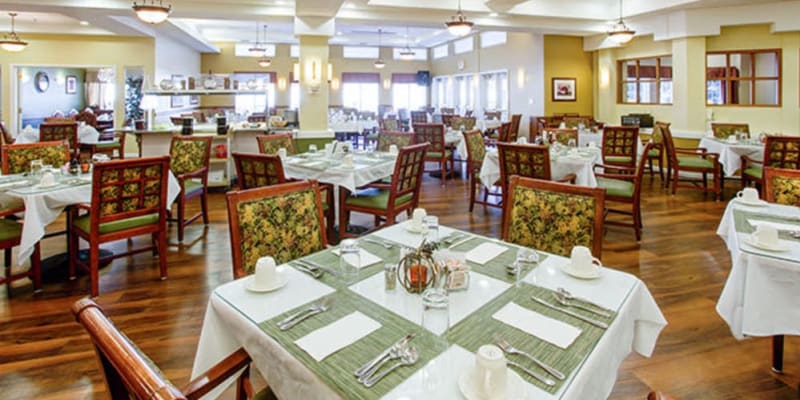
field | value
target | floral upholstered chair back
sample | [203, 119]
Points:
[476, 150]
[527, 160]
[724, 130]
[782, 152]
[282, 221]
[258, 170]
[576, 122]
[419, 117]
[400, 139]
[407, 176]
[130, 188]
[390, 124]
[782, 186]
[562, 136]
[66, 130]
[189, 154]
[553, 217]
[620, 144]
[16, 158]
[431, 133]
[515, 121]
[463, 123]
[270, 144]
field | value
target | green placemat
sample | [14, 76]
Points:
[480, 328]
[740, 218]
[496, 268]
[337, 369]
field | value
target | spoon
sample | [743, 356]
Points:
[567, 303]
[383, 243]
[569, 296]
[408, 358]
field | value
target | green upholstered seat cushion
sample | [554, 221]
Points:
[654, 153]
[436, 154]
[107, 144]
[616, 187]
[82, 223]
[9, 230]
[376, 198]
[695, 162]
[754, 171]
[192, 186]
[618, 159]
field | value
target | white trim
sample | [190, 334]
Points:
[327, 134]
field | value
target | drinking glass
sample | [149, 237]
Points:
[436, 316]
[571, 143]
[524, 256]
[312, 148]
[432, 223]
[349, 260]
[36, 167]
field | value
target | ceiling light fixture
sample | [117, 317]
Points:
[152, 13]
[379, 64]
[265, 61]
[458, 25]
[621, 33]
[407, 53]
[257, 46]
[12, 42]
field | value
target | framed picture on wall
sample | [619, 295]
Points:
[71, 84]
[564, 89]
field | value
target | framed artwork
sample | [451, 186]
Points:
[71, 84]
[176, 101]
[41, 81]
[564, 89]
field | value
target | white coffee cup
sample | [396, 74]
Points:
[347, 161]
[417, 216]
[592, 145]
[748, 195]
[582, 262]
[312, 148]
[282, 152]
[732, 139]
[491, 373]
[393, 149]
[766, 234]
[328, 148]
[48, 179]
[266, 273]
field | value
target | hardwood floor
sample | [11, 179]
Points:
[45, 354]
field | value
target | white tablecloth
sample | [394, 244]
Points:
[352, 126]
[582, 167]
[349, 178]
[233, 313]
[488, 124]
[762, 293]
[86, 134]
[730, 153]
[42, 208]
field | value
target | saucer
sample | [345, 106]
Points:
[769, 247]
[567, 268]
[515, 388]
[279, 283]
[43, 186]
[757, 203]
[415, 228]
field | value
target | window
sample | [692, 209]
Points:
[489, 39]
[359, 52]
[744, 78]
[419, 54]
[406, 93]
[440, 52]
[294, 95]
[294, 51]
[260, 102]
[243, 50]
[438, 86]
[361, 90]
[645, 80]
[494, 91]
[462, 45]
[464, 94]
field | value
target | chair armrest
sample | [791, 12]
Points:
[692, 150]
[194, 174]
[619, 177]
[569, 178]
[217, 374]
[377, 185]
[748, 160]
[615, 168]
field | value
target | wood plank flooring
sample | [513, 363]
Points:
[45, 354]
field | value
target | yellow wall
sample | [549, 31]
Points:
[564, 58]
[79, 51]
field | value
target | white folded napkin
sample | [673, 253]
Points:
[367, 258]
[548, 329]
[329, 339]
[779, 226]
[485, 252]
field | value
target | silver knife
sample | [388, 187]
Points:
[369, 365]
[314, 264]
[547, 381]
[460, 242]
[592, 321]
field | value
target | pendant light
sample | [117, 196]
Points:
[621, 33]
[264, 61]
[407, 53]
[12, 42]
[379, 64]
[257, 46]
[152, 13]
[458, 25]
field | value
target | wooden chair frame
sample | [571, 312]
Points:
[35, 270]
[779, 152]
[660, 149]
[7, 168]
[236, 197]
[95, 238]
[474, 164]
[672, 154]
[63, 130]
[722, 130]
[200, 173]
[263, 140]
[521, 160]
[5, 135]
[434, 135]
[769, 174]
[620, 141]
[419, 117]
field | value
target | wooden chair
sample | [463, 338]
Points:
[438, 151]
[692, 160]
[10, 236]
[129, 198]
[500, 135]
[385, 202]
[782, 186]
[189, 159]
[656, 152]
[114, 143]
[510, 134]
[576, 122]
[400, 139]
[476, 151]
[515, 121]
[562, 136]
[64, 130]
[659, 396]
[779, 152]
[16, 158]
[87, 117]
[623, 185]
[390, 124]
[447, 119]
[723, 130]
[553, 217]
[619, 145]
[419, 117]
[284, 221]
[463, 123]
[270, 144]
[129, 373]
[526, 160]
[492, 114]
[5, 135]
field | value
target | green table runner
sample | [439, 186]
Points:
[496, 268]
[740, 218]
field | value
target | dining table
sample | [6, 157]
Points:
[43, 204]
[580, 162]
[731, 151]
[761, 294]
[86, 134]
[316, 359]
[367, 167]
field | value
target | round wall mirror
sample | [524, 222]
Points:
[42, 81]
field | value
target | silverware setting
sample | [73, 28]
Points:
[592, 321]
[561, 299]
[509, 349]
[385, 243]
[569, 296]
[315, 266]
[453, 237]
[370, 366]
[547, 381]
[300, 316]
[315, 273]
[460, 242]
[408, 357]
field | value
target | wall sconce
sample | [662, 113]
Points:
[521, 78]
[330, 72]
[281, 84]
[605, 77]
[60, 79]
[296, 71]
[387, 83]
[313, 75]
[335, 84]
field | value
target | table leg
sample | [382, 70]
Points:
[777, 353]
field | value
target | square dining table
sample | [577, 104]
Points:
[237, 317]
[581, 164]
[730, 153]
[367, 168]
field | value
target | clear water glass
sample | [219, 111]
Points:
[36, 167]
[436, 316]
[432, 223]
[312, 148]
[525, 256]
[571, 143]
[349, 260]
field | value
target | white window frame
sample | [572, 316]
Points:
[294, 51]
[441, 51]
[360, 52]
[465, 45]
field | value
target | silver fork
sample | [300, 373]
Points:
[394, 353]
[547, 381]
[508, 348]
[383, 243]
[315, 273]
[569, 296]
[364, 369]
[409, 357]
[561, 299]
[294, 319]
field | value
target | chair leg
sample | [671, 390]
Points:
[94, 269]
[674, 181]
[204, 205]
[777, 353]
[181, 211]
[343, 213]
[637, 222]
[443, 166]
[72, 246]
[471, 193]
[36, 268]
[162, 253]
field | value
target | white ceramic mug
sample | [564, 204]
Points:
[417, 216]
[582, 262]
[393, 149]
[766, 234]
[748, 195]
[732, 139]
[266, 273]
[522, 140]
[312, 148]
[491, 372]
